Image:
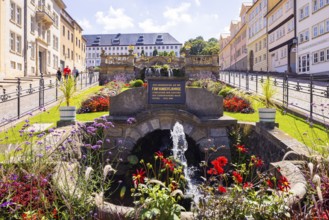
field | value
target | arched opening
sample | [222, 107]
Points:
[145, 148]
[160, 140]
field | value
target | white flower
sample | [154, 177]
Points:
[99, 198]
[107, 169]
[88, 172]
[311, 167]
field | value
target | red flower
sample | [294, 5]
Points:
[248, 185]
[237, 177]
[216, 171]
[222, 189]
[220, 161]
[139, 177]
[283, 184]
[159, 154]
[257, 161]
[168, 164]
[269, 183]
[54, 212]
[241, 149]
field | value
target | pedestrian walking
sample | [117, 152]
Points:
[59, 74]
[67, 72]
[75, 73]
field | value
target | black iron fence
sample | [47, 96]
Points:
[307, 95]
[16, 102]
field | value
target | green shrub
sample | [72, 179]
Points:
[196, 84]
[214, 87]
[225, 91]
[137, 83]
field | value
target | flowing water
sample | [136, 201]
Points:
[179, 148]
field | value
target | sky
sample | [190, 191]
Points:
[183, 19]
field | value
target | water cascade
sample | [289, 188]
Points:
[179, 148]
[170, 73]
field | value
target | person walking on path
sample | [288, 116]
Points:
[75, 73]
[59, 74]
[67, 72]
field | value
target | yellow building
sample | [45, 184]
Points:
[257, 46]
[225, 52]
[73, 45]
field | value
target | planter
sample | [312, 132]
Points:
[67, 113]
[267, 115]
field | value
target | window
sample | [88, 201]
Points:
[265, 43]
[19, 66]
[68, 53]
[18, 15]
[63, 30]
[12, 41]
[32, 51]
[48, 58]
[72, 37]
[18, 44]
[321, 28]
[315, 5]
[315, 58]
[322, 56]
[12, 11]
[315, 31]
[55, 42]
[32, 24]
[12, 64]
[72, 55]
[48, 37]
[64, 50]
[68, 34]
[327, 54]
[327, 25]
[304, 63]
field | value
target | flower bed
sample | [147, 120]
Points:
[234, 103]
[96, 103]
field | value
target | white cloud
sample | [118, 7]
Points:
[174, 17]
[178, 14]
[115, 19]
[85, 24]
[197, 2]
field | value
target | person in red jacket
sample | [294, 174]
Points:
[67, 72]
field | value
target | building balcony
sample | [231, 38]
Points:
[43, 15]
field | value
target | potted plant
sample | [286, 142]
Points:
[67, 112]
[267, 114]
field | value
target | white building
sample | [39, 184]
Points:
[281, 36]
[31, 35]
[313, 36]
[118, 44]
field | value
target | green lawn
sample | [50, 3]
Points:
[315, 137]
[52, 116]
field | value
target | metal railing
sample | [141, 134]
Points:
[36, 95]
[306, 95]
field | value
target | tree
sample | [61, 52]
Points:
[199, 46]
[155, 52]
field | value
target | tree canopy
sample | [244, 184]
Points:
[199, 46]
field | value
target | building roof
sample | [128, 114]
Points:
[135, 39]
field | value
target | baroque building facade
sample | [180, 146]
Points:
[30, 37]
[283, 36]
[120, 44]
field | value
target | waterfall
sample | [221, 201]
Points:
[170, 73]
[179, 148]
